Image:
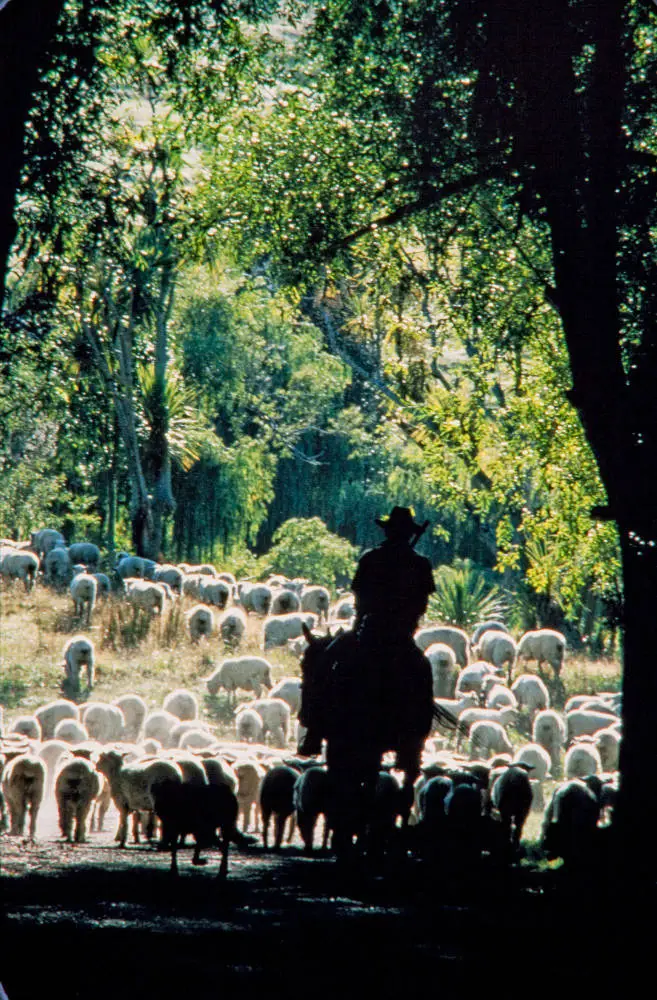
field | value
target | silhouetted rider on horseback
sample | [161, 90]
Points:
[380, 693]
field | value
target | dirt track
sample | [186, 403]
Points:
[95, 922]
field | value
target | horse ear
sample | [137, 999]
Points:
[309, 637]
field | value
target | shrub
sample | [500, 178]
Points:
[304, 547]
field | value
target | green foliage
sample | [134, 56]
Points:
[464, 597]
[304, 547]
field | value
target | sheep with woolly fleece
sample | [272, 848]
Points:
[57, 567]
[133, 786]
[488, 738]
[275, 715]
[232, 626]
[201, 569]
[197, 739]
[20, 565]
[276, 798]
[531, 693]
[289, 689]
[191, 585]
[471, 678]
[482, 627]
[190, 766]
[78, 652]
[443, 669]
[170, 575]
[83, 590]
[215, 592]
[130, 567]
[159, 725]
[279, 628]
[103, 584]
[49, 715]
[570, 821]
[249, 727]
[23, 783]
[76, 786]
[344, 609]
[84, 552]
[498, 695]
[505, 716]
[317, 600]
[583, 722]
[511, 794]
[549, 731]
[537, 757]
[105, 723]
[44, 540]
[26, 725]
[544, 645]
[199, 810]
[453, 637]
[181, 703]
[249, 775]
[71, 731]
[134, 711]
[581, 760]
[255, 597]
[248, 673]
[284, 602]
[219, 772]
[499, 649]
[453, 707]
[200, 622]
[607, 743]
[186, 726]
[146, 595]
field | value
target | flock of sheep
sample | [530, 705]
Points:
[166, 767]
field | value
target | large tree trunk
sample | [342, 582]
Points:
[164, 504]
[26, 29]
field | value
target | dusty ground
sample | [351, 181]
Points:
[94, 922]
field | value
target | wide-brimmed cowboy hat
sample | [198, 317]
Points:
[399, 522]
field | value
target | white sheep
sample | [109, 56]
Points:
[275, 715]
[570, 822]
[285, 602]
[76, 786]
[20, 565]
[71, 731]
[191, 585]
[317, 600]
[549, 730]
[182, 728]
[146, 595]
[482, 627]
[200, 622]
[279, 628]
[26, 725]
[255, 597]
[454, 707]
[220, 772]
[443, 669]
[232, 626]
[105, 723]
[498, 649]
[159, 725]
[537, 757]
[289, 689]
[344, 609]
[249, 779]
[607, 742]
[130, 566]
[50, 752]
[132, 786]
[214, 591]
[498, 695]
[504, 716]
[581, 760]
[78, 652]
[204, 569]
[52, 713]
[23, 783]
[83, 590]
[453, 637]
[531, 693]
[249, 673]
[134, 712]
[471, 678]
[197, 739]
[487, 739]
[585, 723]
[84, 552]
[249, 727]
[57, 567]
[182, 704]
[44, 540]
[170, 575]
[544, 645]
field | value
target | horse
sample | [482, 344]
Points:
[364, 696]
